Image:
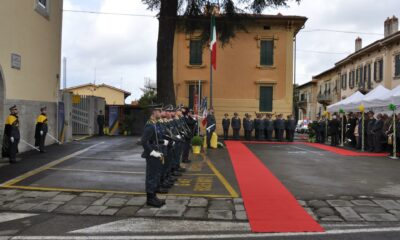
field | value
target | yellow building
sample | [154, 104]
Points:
[254, 71]
[30, 54]
[112, 95]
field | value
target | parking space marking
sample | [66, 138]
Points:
[45, 167]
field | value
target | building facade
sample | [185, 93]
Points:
[254, 71]
[307, 100]
[30, 55]
[112, 95]
[375, 64]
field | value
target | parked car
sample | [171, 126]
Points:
[302, 126]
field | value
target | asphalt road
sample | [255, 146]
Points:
[310, 173]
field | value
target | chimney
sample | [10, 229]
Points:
[391, 26]
[358, 44]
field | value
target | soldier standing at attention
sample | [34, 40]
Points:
[41, 129]
[226, 123]
[268, 127]
[246, 127]
[11, 135]
[256, 126]
[100, 122]
[279, 128]
[211, 126]
[235, 122]
[290, 128]
[261, 127]
[154, 157]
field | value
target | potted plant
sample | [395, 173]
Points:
[197, 141]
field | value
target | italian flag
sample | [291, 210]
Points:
[213, 43]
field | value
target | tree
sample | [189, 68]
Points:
[192, 15]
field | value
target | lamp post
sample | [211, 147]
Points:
[392, 107]
[341, 112]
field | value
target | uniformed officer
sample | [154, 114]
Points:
[260, 127]
[100, 122]
[290, 128]
[247, 127]
[256, 126]
[226, 123]
[189, 122]
[154, 157]
[268, 127]
[377, 130]
[11, 135]
[322, 130]
[41, 129]
[370, 134]
[279, 126]
[334, 129]
[211, 126]
[236, 124]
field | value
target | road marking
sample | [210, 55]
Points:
[119, 172]
[307, 150]
[221, 178]
[110, 158]
[112, 191]
[8, 216]
[207, 236]
[45, 167]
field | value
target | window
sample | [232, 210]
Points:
[267, 53]
[43, 7]
[378, 70]
[266, 94]
[194, 92]
[196, 52]
[397, 66]
[367, 76]
[360, 77]
[344, 81]
[352, 76]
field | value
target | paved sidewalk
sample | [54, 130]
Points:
[89, 203]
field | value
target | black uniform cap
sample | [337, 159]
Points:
[169, 108]
[43, 108]
[155, 107]
[13, 107]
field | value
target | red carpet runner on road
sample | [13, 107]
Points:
[269, 205]
[344, 152]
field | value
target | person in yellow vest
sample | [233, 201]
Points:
[11, 135]
[41, 129]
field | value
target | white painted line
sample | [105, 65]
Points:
[210, 236]
[307, 150]
[8, 216]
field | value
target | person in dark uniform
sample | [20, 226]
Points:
[279, 125]
[101, 122]
[370, 134]
[190, 123]
[260, 127]
[11, 135]
[248, 126]
[256, 127]
[290, 126]
[351, 125]
[334, 129]
[377, 131]
[211, 126]
[154, 157]
[268, 127]
[226, 123]
[41, 129]
[236, 124]
[322, 130]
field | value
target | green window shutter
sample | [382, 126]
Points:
[381, 70]
[196, 52]
[397, 66]
[266, 94]
[267, 53]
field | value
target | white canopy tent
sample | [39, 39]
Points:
[392, 98]
[337, 106]
[369, 98]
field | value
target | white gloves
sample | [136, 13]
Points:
[166, 142]
[179, 137]
[41, 133]
[12, 139]
[155, 154]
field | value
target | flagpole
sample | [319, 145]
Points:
[211, 72]
[198, 109]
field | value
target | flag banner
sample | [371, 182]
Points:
[213, 43]
[204, 111]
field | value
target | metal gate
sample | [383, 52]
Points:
[80, 115]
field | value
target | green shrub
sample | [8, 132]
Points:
[197, 141]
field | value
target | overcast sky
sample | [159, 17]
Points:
[121, 50]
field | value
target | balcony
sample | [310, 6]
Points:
[302, 103]
[324, 98]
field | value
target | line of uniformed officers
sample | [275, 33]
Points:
[12, 135]
[166, 142]
[263, 126]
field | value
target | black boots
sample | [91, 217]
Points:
[154, 201]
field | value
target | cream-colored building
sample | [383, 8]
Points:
[375, 64]
[30, 54]
[112, 95]
[307, 100]
[254, 71]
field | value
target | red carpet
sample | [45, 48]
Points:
[344, 152]
[269, 205]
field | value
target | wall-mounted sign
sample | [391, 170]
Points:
[16, 61]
